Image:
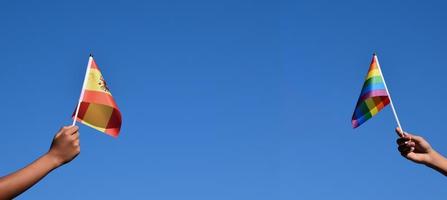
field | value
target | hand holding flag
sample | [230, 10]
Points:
[418, 150]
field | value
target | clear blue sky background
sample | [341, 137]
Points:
[225, 99]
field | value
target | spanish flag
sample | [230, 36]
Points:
[96, 107]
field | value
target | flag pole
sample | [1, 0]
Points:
[389, 95]
[81, 96]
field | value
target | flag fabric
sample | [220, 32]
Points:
[374, 96]
[97, 108]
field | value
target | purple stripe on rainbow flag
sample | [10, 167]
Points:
[374, 93]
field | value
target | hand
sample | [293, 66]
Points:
[415, 148]
[65, 146]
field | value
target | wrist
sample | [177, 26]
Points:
[52, 159]
[438, 162]
[433, 158]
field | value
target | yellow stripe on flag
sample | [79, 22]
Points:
[98, 115]
[95, 127]
[374, 111]
[372, 73]
[95, 81]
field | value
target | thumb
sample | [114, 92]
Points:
[400, 133]
[416, 138]
[410, 136]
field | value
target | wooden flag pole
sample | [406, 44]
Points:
[389, 95]
[82, 90]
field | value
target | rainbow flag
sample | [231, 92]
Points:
[96, 107]
[374, 96]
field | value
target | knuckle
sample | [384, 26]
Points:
[75, 128]
[61, 129]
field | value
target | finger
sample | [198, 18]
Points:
[410, 144]
[408, 135]
[76, 132]
[75, 135]
[405, 154]
[76, 143]
[61, 130]
[72, 129]
[417, 138]
[399, 132]
[401, 141]
[58, 134]
[404, 149]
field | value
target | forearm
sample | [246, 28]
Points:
[437, 162]
[16, 183]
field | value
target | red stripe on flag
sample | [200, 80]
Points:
[99, 98]
[94, 65]
[83, 109]
[114, 124]
[112, 132]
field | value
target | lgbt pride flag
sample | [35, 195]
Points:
[96, 107]
[374, 96]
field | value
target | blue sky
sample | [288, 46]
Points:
[225, 99]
